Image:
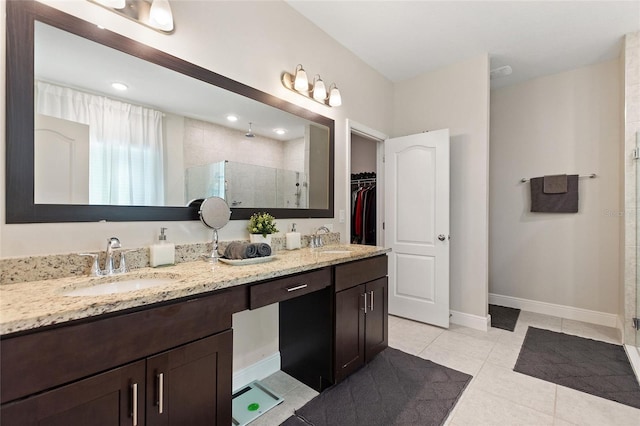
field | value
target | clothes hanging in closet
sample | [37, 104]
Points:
[363, 215]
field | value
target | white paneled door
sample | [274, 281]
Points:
[417, 226]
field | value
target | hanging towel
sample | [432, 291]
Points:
[566, 202]
[555, 184]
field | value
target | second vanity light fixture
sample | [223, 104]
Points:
[155, 14]
[299, 82]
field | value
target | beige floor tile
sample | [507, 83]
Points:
[527, 319]
[452, 359]
[280, 383]
[517, 388]
[493, 334]
[461, 343]
[591, 331]
[479, 408]
[585, 409]
[505, 354]
[412, 337]
[560, 422]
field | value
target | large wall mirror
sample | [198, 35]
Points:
[100, 127]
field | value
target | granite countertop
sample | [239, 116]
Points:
[29, 305]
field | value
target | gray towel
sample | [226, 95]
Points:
[263, 249]
[554, 203]
[242, 250]
[555, 184]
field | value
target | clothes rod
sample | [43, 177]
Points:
[591, 176]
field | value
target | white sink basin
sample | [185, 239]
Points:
[118, 286]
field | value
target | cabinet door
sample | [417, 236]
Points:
[349, 329]
[376, 328]
[191, 385]
[114, 398]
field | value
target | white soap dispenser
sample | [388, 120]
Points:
[293, 238]
[162, 253]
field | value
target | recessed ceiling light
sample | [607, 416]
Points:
[119, 86]
[280, 131]
[232, 118]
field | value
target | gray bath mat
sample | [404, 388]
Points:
[503, 317]
[394, 389]
[590, 366]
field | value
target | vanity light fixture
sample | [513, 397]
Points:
[298, 82]
[154, 14]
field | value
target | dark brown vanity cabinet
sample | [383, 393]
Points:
[361, 308]
[178, 387]
[166, 365]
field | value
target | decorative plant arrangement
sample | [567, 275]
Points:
[262, 223]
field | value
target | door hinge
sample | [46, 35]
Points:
[636, 323]
[635, 153]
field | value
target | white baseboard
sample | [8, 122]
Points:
[633, 353]
[257, 371]
[562, 311]
[472, 321]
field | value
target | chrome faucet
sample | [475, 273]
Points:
[316, 240]
[112, 243]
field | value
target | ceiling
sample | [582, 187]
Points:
[403, 39]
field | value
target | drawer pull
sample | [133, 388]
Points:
[298, 287]
[134, 405]
[160, 393]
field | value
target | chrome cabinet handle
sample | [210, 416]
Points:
[298, 287]
[134, 405]
[371, 308]
[365, 301]
[441, 237]
[161, 393]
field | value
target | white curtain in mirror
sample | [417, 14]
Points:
[126, 144]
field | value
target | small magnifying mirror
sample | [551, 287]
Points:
[215, 214]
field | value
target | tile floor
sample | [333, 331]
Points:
[497, 395]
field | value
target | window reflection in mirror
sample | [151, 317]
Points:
[166, 139]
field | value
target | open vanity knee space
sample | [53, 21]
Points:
[163, 355]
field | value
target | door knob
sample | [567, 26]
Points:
[441, 237]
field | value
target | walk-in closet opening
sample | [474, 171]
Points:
[366, 195]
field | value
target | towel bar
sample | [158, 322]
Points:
[591, 176]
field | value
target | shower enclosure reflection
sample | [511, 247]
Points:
[248, 185]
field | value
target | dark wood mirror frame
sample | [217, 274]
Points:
[20, 205]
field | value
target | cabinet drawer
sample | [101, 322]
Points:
[359, 272]
[287, 288]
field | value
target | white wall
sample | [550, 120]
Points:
[457, 97]
[251, 42]
[564, 123]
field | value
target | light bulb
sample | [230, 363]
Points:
[335, 99]
[301, 83]
[160, 15]
[319, 90]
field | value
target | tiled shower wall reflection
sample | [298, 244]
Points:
[631, 127]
